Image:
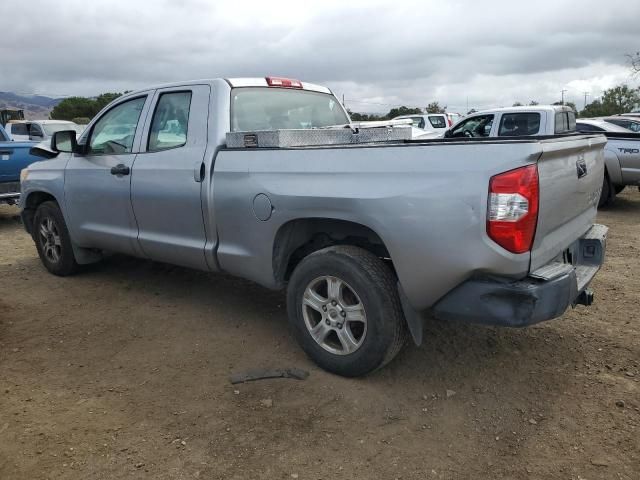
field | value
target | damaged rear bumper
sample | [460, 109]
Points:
[545, 294]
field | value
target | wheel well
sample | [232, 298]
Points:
[298, 238]
[31, 205]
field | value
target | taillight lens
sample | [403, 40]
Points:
[512, 213]
[283, 82]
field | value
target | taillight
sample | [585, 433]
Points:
[283, 82]
[513, 208]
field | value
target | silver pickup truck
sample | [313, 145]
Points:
[621, 156]
[366, 238]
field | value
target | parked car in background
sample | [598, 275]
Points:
[437, 123]
[621, 155]
[14, 156]
[630, 123]
[38, 130]
[365, 238]
[516, 122]
[430, 122]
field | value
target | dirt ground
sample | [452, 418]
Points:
[122, 371]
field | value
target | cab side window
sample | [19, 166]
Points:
[35, 130]
[113, 134]
[437, 121]
[418, 122]
[170, 123]
[19, 129]
[519, 124]
[479, 126]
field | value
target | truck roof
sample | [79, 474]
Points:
[236, 82]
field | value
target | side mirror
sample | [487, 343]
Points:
[448, 134]
[64, 141]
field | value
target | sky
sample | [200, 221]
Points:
[378, 54]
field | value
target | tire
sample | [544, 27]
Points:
[52, 240]
[364, 329]
[607, 194]
[618, 188]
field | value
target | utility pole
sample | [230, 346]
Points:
[563, 90]
[586, 94]
[345, 107]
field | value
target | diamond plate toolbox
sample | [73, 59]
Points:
[315, 137]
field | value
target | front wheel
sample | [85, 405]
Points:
[345, 311]
[52, 240]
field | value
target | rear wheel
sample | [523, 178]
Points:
[345, 311]
[618, 189]
[52, 240]
[607, 194]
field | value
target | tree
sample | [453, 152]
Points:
[434, 107]
[634, 59]
[74, 107]
[594, 109]
[363, 117]
[533, 103]
[473, 110]
[396, 112]
[81, 120]
[517, 104]
[620, 99]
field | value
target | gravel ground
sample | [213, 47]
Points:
[122, 371]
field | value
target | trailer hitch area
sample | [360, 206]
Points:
[585, 298]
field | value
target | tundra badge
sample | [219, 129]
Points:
[581, 166]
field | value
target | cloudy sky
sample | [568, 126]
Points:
[378, 54]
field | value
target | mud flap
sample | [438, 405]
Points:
[414, 319]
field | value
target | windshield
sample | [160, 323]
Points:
[283, 108]
[51, 128]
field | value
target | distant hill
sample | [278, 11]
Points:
[36, 107]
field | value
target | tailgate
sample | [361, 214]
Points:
[570, 171]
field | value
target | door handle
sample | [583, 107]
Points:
[198, 172]
[120, 169]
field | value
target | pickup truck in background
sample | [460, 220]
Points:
[553, 120]
[366, 239]
[38, 130]
[621, 156]
[14, 156]
[516, 122]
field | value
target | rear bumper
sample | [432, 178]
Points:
[545, 294]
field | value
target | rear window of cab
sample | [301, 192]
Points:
[565, 122]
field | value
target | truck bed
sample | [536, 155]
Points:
[426, 200]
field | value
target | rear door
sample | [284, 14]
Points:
[167, 177]
[570, 171]
[97, 184]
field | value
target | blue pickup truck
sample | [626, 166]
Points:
[14, 156]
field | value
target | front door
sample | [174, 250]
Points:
[167, 177]
[98, 184]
